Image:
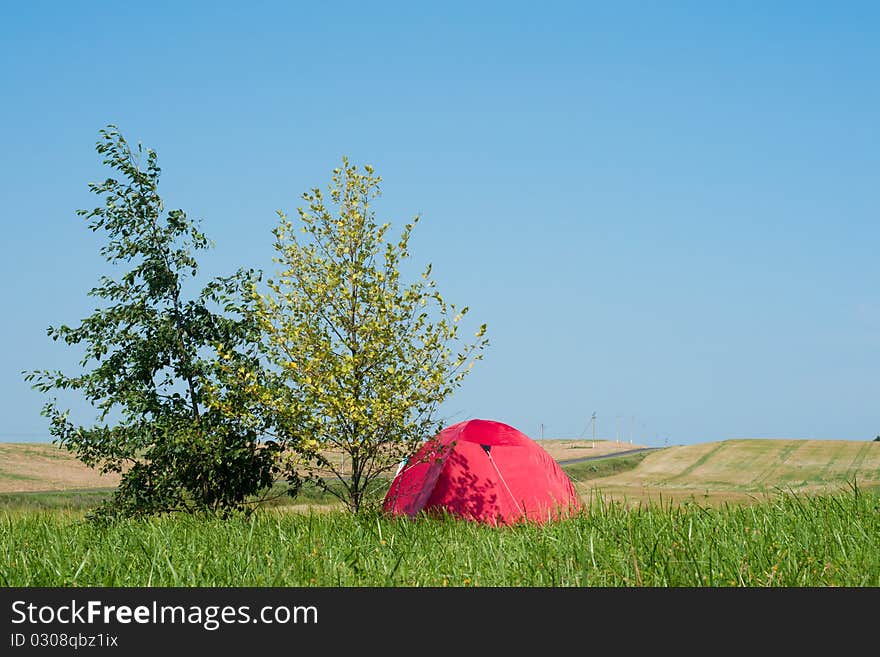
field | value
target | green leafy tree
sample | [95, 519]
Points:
[363, 358]
[154, 361]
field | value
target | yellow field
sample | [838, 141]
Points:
[26, 467]
[736, 471]
[742, 470]
[30, 467]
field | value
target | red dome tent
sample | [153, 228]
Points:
[485, 471]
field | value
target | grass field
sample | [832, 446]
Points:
[732, 514]
[829, 540]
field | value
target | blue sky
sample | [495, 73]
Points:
[665, 212]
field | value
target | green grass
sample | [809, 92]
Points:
[603, 467]
[829, 540]
[82, 500]
[309, 494]
[70, 500]
[791, 539]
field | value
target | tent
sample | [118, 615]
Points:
[484, 471]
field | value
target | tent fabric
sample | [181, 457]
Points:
[485, 471]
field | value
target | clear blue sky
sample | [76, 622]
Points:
[665, 212]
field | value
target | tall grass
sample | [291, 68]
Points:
[832, 540]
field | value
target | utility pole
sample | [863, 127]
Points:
[593, 422]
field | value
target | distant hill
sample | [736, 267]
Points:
[743, 470]
[28, 467]
[32, 467]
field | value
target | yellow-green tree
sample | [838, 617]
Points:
[363, 358]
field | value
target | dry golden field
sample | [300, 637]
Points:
[741, 471]
[729, 471]
[28, 467]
